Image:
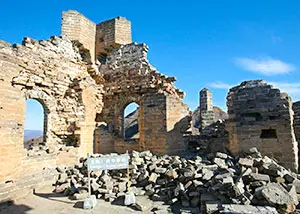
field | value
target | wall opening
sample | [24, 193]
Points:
[35, 124]
[268, 134]
[130, 122]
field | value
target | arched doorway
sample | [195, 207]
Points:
[35, 124]
[130, 121]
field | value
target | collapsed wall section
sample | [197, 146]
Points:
[260, 116]
[296, 109]
[129, 77]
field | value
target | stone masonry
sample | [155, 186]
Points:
[110, 34]
[162, 119]
[77, 27]
[85, 79]
[260, 116]
[83, 99]
[296, 109]
[207, 115]
[52, 72]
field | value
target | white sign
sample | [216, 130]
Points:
[108, 162]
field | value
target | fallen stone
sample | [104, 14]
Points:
[247, 209]
[129, 199]
[259, 177]
[160, 170]
[207, 174]
[153, 177]
[143, 204]
[221, 155]
[246, 162]
[275, 194]
[89, 202]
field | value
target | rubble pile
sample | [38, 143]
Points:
[206, 182]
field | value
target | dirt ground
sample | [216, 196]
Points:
[46, 202]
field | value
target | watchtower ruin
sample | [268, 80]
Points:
[261, 116]
[207, 115]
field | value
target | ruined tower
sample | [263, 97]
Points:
[100, 38]
[296, 109]
[111, 33]
[207, 116]
[261, 116]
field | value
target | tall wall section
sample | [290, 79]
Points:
[207, 114]
[53, 73]
[112, 33]
[260, 116]
[76, 27]
[296, 109]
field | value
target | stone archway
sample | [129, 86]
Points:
[48, 105]
[130, 122]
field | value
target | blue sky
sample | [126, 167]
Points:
[34, 117]
[214, 44]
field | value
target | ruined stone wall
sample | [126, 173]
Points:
[52, 72]
[207, 115]
[260, 116]
[103, 140]
[130, 78]
[76, 27]
[112, 33]
[296, 109]
[178, 123]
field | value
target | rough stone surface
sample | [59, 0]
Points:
[89, 202]
[276, 194]
[261, 116]
[72, 83]
[199, 182]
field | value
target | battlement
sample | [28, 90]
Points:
[100, 38]
[76, 27]
[112, 33]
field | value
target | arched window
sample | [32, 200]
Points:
[130, 122]
[35, 124]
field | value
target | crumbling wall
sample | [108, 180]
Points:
[76, 27]
[52, 72]
[207, 115]
[178, 124]
[296, 109]
[130, 78]
[112, 33]
[260, 116]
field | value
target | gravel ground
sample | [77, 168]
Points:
[46, 202]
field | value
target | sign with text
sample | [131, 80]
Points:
[108, 162]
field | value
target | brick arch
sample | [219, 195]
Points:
[123, 119]
[48, 105]
[121, 105]
[46, 101]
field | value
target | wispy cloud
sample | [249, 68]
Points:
[266, 66]
[276, 39]
[219, 85]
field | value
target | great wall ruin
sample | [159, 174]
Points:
[85, 79]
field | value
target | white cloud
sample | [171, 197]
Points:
[265, 66]
[219, 85]
[293, 89]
